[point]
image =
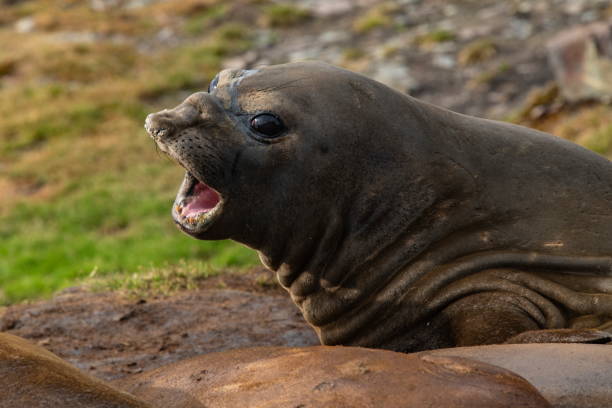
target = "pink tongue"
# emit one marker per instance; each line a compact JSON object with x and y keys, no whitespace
{"x":205,"y":199}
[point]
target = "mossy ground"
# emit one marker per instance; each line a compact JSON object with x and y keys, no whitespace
{"x":82,"y":188}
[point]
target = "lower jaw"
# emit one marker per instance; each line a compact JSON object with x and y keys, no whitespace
{"x":196,"y":224}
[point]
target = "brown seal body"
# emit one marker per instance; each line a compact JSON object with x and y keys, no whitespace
{"x":32,"y":377}
{"x":266,"y":377}
{"x":567,"y":375}
{"x":393,"y":223}
{"x":525,"y":375}
{"x":270,"y":377}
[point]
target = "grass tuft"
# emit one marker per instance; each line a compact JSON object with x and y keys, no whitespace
{"x":202,"y":20}
{"x":154,"y":281}
{"x":87,"y":62}
{"x":78,"y":121}
{"x":488,"y":76}
{"x":352,"y":54}
{"x":589,"y":125}
{"x":375,"y":18}
{"x":477,"y":52}
{"x":284,"y":15}
{"x":431,"y":39}
{"x":600,"y":141}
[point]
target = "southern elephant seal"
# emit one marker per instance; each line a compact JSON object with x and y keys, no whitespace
{"x":275,"y":377}
{"x":567,"y":375}
{"x":266,"y":377}
{"x":33,"y":377}
{"x":527,"y":375}
{"x":391,"y":222}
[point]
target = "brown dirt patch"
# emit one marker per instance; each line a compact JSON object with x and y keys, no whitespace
{"x":111,"y":335}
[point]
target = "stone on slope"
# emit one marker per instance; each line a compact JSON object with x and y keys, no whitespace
{"x":582,"y":61}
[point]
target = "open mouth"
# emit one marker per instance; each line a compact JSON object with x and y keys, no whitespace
{"x":196,"y":206}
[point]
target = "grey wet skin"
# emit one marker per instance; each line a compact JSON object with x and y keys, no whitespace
{"x":394,"y":223}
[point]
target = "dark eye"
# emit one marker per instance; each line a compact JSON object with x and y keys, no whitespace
{"x":267,"y":124}
{"x":213,"y":84}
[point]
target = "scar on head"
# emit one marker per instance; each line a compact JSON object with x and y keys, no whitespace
{"x":284,"y":85}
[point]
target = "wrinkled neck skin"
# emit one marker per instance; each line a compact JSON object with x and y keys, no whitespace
{"x":369,"y":266}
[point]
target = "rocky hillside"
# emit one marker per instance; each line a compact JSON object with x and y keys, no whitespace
{"x":82,"y":189}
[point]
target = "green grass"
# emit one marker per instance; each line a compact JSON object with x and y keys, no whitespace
{"x":78,"y":120}
{"x":370,"y":22}
{"x":161,"y":280}
{"x":375,"y":18}
{"x":600,"y":141}
{"x":198,"y":23}
{"x":82,"y":187}
{"x":353,"y":53}
{"x":284,"y":15}
{"x":432,"y":38}
{"x":107,"y":226}
{"x":489,"y":75}
{"x":191,"y":67}
{"x":477,"y":51}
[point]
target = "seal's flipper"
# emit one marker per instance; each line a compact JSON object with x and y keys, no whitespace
{"x":585,"y":336}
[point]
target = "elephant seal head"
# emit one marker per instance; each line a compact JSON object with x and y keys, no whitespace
{"x":275,"y":155}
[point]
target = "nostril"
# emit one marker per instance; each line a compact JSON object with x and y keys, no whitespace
{"x":156,"y":128}
{"x":161,"y":132}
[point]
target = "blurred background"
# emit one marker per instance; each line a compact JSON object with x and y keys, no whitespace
{"x":85,"y":195}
